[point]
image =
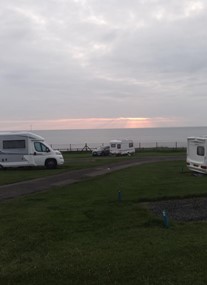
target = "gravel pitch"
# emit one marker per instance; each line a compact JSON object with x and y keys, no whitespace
{"x":190,"y":209}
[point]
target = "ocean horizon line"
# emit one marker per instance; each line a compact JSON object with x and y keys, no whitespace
{"x":138,"y":135}
{"x":91,"y":129}
{"x":95,"y":129}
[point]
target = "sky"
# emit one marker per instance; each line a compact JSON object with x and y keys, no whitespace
{"x":82,"y":64}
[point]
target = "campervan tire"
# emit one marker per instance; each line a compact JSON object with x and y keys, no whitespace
{"x":51,"y":163}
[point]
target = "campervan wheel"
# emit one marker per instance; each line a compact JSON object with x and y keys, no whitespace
{"x":51,"y":163}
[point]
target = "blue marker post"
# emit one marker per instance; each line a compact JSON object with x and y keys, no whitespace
{"x":119,"y":196}
{"x":165,"y":219}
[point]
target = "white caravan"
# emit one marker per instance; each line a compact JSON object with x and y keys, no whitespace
{"x":27,"y":149}
{"x":122,"y":147}
{"x":197,"y":154}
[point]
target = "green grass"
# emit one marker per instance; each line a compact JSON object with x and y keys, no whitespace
{"x":74,"y":160}
{"x":82,"y":234}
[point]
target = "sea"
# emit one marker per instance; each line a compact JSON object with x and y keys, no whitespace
{"x":142,"y":137}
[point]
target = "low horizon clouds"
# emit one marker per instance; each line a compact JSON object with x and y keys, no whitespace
{"x":103,"y":64}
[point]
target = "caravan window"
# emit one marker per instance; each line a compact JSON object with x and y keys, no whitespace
{"x":201,"y":150}
{"x":40,"y":147}
{"x":118,"y":145}
{"x":113,"y":145}
{"x":131,"y":144}
{"x":14,"y":144}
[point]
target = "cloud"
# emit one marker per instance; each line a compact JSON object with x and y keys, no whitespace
{"x":80,"y":59}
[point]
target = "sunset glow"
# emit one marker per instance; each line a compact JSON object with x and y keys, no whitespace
{"x":87,"y":123}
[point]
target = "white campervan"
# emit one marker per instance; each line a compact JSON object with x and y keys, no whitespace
{"x":122,"y":147}
{"x":197,"y":154}
{"x":27,"y":149}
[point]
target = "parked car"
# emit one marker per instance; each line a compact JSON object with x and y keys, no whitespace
{"x":101,"y":151}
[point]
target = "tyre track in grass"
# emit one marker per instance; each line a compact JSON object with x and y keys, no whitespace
{"x":14,"y":190}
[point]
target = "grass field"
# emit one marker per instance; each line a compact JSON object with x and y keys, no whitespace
{"x":82,"y":234}
{"x":73,"y":160}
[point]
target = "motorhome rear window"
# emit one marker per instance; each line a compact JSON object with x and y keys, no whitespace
{"x":200,"y":150}
{"x":131,"y":144}
{"x":14,"y":144}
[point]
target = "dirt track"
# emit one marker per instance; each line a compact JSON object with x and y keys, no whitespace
{"x":191,"y":209}
{"x":43,"y":184}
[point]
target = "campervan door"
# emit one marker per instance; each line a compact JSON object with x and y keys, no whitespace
{"x":197,"y":154}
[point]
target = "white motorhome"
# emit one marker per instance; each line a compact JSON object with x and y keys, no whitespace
{"x":122,"y":147}
{"x":197,"y":154}
{"x":27,"y":149}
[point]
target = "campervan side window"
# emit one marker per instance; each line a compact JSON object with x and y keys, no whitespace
{"x":14,"y":144}
{"x":200,"y":150}
{"x":40,"y":147}
{"x":113,"y":145}
{"x":131,"y":144}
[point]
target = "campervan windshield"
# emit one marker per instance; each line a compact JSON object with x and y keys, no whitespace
{"x":40,"y":147}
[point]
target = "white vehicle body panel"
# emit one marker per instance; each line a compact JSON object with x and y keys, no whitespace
{"x":197,"y":154}
{"x":122,"y":147}
{"x":27,"y":149}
